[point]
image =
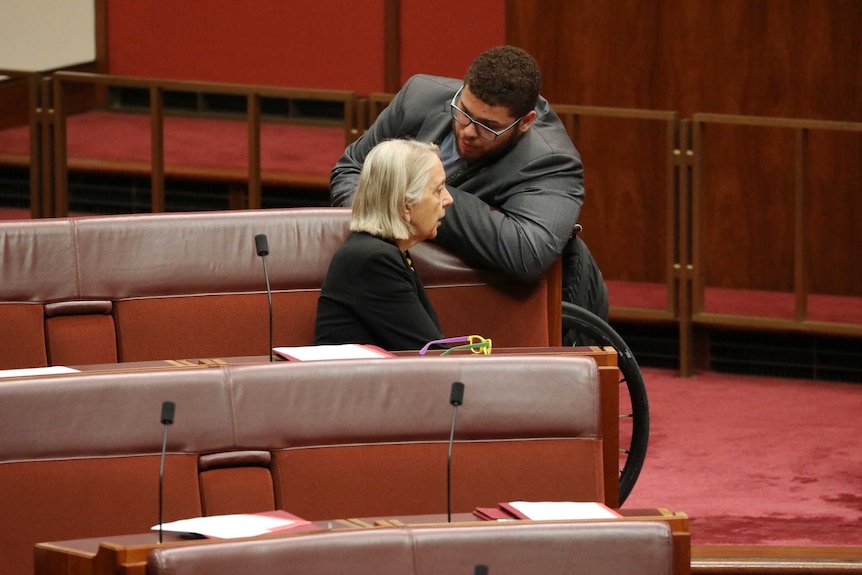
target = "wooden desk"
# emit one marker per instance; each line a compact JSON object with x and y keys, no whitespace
{"x":604,"y":356}
{"x":127,"y":554}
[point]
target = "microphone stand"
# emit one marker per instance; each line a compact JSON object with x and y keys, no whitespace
{"x":269,"y":297}
{"x":262,"y":247}
{"x":167,"y":420}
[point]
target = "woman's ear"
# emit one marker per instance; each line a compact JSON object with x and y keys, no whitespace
{"x":405,"y":213}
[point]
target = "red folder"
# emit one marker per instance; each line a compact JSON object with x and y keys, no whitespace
{"x":493,"y":514}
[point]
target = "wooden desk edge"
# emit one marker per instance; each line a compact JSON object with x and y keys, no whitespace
{"x":71,"y":557}
{"x":776,"y":559}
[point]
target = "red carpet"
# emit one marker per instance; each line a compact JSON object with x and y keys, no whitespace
{"x":193,"y":142}
{"x":14,"y":214}
{"x":749,"y":303}
{"x":755,"y":460}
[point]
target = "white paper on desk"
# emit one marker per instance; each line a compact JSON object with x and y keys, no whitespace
{"x":547,"y":510}
{"x":227,"y":526}
{"x":321,"y":352}
{"x":53,"y":370}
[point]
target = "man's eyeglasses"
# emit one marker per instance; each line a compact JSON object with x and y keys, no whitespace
{"x":466,"y":119}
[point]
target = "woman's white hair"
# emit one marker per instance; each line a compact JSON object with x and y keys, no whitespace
{"x":394,"y":175}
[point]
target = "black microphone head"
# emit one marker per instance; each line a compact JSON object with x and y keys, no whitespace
{"x":168,"y":408}
{"x":261,"y":245}
{"x":481,"y":570}
{"x":456,"y":397}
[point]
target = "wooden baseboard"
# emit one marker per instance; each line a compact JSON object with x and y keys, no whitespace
{"x":775,"y":560}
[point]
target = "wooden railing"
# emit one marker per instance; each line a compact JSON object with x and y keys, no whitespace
{"x":662,"y":142}
{"x":64,"y":104}
{"x":21,"y":97}
{"x":689,"y":207}
{"x":794,"y":241}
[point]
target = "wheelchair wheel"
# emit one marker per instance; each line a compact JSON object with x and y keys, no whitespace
{"x":634,"y":415}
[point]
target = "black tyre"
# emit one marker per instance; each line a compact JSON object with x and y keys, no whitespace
{"x":583,"y":284}
{"x":634,"y":418}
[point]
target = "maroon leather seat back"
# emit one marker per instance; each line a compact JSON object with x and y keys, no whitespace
{"x":80,"y":453}
{"x":601,"y":548}
{"x":142,"y":287}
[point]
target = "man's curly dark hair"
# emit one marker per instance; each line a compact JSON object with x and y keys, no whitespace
{"x":505,"y":76}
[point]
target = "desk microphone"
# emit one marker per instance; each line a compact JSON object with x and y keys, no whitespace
{"x":262,"y":247}
{"x":168,"y":408}
{"x":456,"y":398}
{"x":481,"y":570}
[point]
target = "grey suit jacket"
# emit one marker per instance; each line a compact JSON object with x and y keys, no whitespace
{"x":514,"y":214}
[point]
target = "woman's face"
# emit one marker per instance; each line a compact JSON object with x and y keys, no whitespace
{"x":426,"y":215}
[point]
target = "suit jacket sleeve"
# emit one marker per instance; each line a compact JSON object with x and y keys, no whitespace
{"x":518,"y":214}
{"x":514,"y":215}
{"x":393,"y":122}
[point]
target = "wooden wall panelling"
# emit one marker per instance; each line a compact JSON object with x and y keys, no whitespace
{"x":630,"y":211}
{"x":392,"y":39}
{"x":834,"y":212}
{"x":320,"y":46}
{"x":748,"y":210}
{"x":327,"y":44}
{"x":767,"y":58}
{"x":443,"y":37}
{"x":775,"y":201}
{"x":595,"y":54}
{"x":101,"y":31}
{"x":772,"y":58}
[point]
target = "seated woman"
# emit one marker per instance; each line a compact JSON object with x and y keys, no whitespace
{"x":371,"y":293}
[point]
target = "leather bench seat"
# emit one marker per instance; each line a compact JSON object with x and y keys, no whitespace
{"x":600,"y":548}
{"x":107,"y":289}
{"x":80,"y":453}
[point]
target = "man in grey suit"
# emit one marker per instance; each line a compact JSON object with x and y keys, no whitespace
{"x":514,"y":174}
